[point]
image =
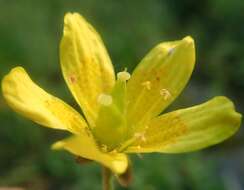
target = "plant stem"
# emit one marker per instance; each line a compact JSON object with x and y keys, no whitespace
{"x":107,"y":183}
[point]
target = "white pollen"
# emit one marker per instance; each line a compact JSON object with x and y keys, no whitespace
{"x":165,"y":93}
{"x":123,"y":76}
{"x":105,"y":99}
{"x":147,"y":85}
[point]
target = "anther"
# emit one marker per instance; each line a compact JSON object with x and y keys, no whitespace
{"x":147,"y":85}
{"x":165,"y":93}
{"x":123,"y":76}
{"x":105,"y":99}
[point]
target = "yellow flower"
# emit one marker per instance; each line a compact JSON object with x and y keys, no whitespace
{"x":121,"y":116}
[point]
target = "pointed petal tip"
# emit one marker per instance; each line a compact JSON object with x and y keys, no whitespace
{"x":11,"y":72}
{"x":225,"y":99}
{"x":70,"y":17}
{"x":235,"y":116}
{"x":67,"y":16}
{"x":57,"y":146}
{"x":16,"y":69}
{"x":188,"y":39}
{"x":70,"y":14}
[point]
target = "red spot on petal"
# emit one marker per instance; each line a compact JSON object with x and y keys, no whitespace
{"x":72,"y":79}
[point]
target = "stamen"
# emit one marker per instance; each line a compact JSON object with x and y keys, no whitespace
{"x":105,"y":99}
{"x":147,"y":85}
{"x":165,"y":93}
{"x":123,"y":76}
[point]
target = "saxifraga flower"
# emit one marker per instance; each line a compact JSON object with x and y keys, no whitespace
{"x":122,"y":115}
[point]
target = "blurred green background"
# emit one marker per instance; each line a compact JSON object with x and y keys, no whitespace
{"x":30,"y":32}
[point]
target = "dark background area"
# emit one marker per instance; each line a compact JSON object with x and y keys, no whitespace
{"x":30,"y":33}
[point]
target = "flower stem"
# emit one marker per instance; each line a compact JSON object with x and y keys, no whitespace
{"x":107,"y":182}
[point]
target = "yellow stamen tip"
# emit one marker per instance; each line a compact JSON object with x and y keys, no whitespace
{"x":123,"y":76}
{"x":105,"y":99}
{"x":165,"y":93}
{"x":147,"y":85}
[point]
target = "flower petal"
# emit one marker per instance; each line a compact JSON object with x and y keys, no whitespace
{"x":190,"y":129}
{"x":85,"y":63}
{"x":28,"y":99}
{"x":85,"y":147}
{"x":159,"y":79}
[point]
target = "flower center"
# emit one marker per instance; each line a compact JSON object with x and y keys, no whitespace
{"x":111,"y":125}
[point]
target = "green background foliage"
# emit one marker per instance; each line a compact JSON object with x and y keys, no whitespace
{"x":30,"y":32}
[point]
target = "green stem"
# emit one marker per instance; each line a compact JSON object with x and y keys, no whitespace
{"x":107,"y":182}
